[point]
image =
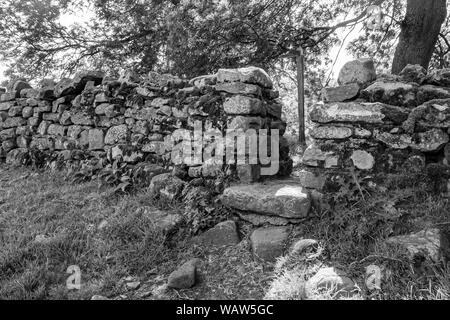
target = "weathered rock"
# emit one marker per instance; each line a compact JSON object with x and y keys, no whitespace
{"x":392,"y":93}
{"x":363,"y":160}
{"x":13,"y":122}
{"x":310,"y":180}
{"x":223,"y":234}
{"x":430,"y":92}
{"x":413,"y":73}
{"x":429,"y":141}
{"x":259,"y":220}
{"x":166,"y":186}
{"x":268,"y":243}
{"x":96,"y":139}
{"x":439,"y":78}
{"x":275,"y":198}
{"x":432,"y":244}
{"x":314,"y":157}
{"x":358,"y":71}
{"x":245,"y":123}
{"x":185,"y":276}
{"x":81,"y":118}
{"x":242,"y":105}
{"x":20,"y":85}
{"x":5,"y":106}
{"x":78,"y":83}
{"x":239,"y":88}
{"x":56,"y":130}
{"x":7,"y":134}
{"x":17,"y":157}
{"x":341,"y":93}
{"x":348,"y":112}
{"x":252,"y":75}
{"x":117,"y":134}
{"x":248,"y":173}
{"x":330,"y":280}
{"x":331,"y":132}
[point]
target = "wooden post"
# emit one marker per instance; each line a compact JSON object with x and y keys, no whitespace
{"x":301,"y":95}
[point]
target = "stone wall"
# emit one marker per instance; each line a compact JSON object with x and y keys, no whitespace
{"x":372,"y":125}
{"x":132,"y":119}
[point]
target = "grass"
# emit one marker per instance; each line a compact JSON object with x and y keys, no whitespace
{"x":353,"y":238}
{"x":111,"y":240}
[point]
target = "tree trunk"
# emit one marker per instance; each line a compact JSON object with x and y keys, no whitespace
{"x":419,"y":33}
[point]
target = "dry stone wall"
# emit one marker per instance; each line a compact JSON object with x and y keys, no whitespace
{"x":369,"y":126}
{"x":132,"y":119}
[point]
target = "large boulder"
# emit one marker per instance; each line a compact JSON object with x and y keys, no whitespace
{"x":360,"y":71}
{"x":275,"y":198}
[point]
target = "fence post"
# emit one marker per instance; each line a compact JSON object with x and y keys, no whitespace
{"x":301,"y":95}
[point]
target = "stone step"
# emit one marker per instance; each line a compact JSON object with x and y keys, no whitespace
{"x":285,"y":198}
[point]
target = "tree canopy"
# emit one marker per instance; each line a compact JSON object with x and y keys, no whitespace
{"x":193,"y":37}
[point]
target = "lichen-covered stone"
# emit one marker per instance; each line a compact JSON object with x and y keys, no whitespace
{"x":429,"y":141}
{"x":81,"y":118}
{"x":242,"y":105}
{"x":363,"y":160}
{"x":348,"y":112}
{"x":331,"y":132}
{"x":116,"y":134}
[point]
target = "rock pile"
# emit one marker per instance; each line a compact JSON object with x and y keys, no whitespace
{"x":133,"y":119}
{"x":378,"y":124}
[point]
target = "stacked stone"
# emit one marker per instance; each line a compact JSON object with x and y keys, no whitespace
{"x":378,"y":125}
{"x":132,"y":119}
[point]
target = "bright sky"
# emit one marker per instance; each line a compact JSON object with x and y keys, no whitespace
{"x":344,"y":56}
